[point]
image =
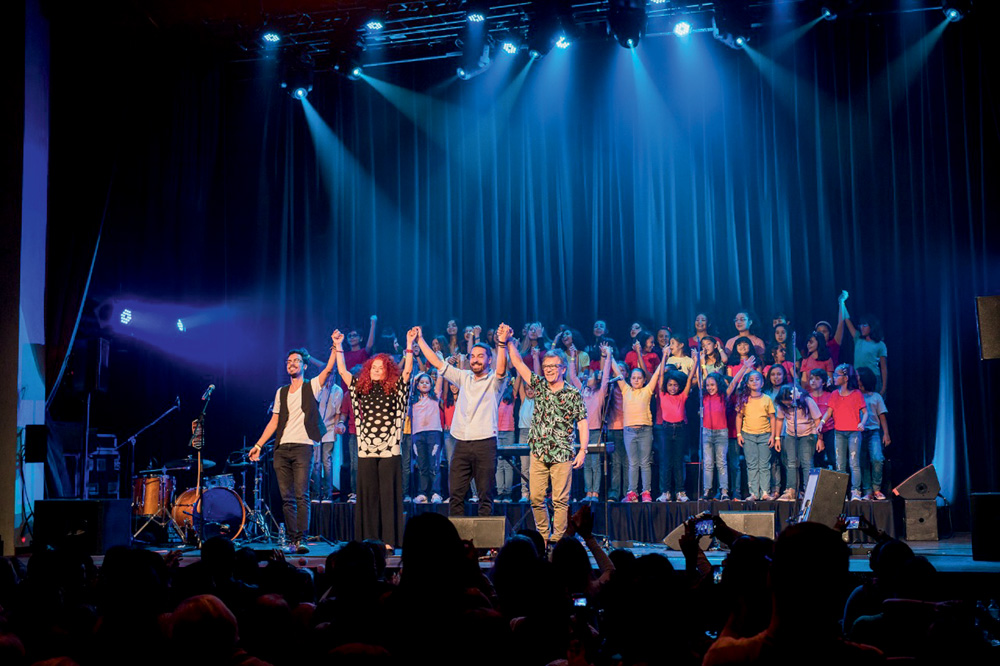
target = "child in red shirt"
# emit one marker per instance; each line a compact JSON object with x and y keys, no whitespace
{"x":847,"y":406}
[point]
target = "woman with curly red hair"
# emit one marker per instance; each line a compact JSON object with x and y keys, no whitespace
{"x":378,"y":396}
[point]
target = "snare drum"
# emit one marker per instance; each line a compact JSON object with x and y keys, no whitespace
{"x":221,"y":508}
{"x":221,"y":481}
{"x":151,"y":494}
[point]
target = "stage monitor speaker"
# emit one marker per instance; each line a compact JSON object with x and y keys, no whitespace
{"x":36,"y":443}
{"x":90,"y":365}
{"x":673,"y":540}
{"x":986,"y":527}
{"x":823,"y":502}
{"x":988,"y":326}
{"x":923,"y":485}
{"x":87,"y":526}
{"x":485,"y":532}
{"x":752,"y":523}
{"x":920,"y":517}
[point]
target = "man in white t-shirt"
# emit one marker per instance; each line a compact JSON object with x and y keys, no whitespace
{"x":297,"y":426}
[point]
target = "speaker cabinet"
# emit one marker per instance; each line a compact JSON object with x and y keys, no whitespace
{"x":485,"y":532}
{"x":986,"y":527}
{"x":752,"y":523}
{"x":87,"y":526}
{"x":823,"y":502}
{"x":923,"y":485}
{"x":920,"y":517}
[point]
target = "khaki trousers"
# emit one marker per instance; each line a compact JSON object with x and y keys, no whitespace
{"x":561,"y":476}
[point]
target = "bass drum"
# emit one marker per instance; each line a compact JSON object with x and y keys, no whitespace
{"x":221,"y":508}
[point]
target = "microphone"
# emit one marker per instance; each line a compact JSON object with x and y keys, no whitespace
{"x":208,"y":392}
{"x":177,"y":401}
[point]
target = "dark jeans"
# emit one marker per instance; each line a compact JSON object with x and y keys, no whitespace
{"x":425,"y":443}
{"x":406,"y":453}
{"x":473,"y":459}
{"x":671,"y":456}
{"x":618,"y":463}
{"x":291,"y":467}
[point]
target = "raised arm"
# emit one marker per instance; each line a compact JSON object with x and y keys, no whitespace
{"x":607,"y":358}
{"x":573,"y":374}
{"x":694,"y":369}
{"x":844,"y":317}
{"x":745,"y":367}
{"x":659,"y":368}
{"x":330,"y":363}
{"x":411,"y":335}
{"x":371,"y":335}
{"x":501,"y":357}
{"x":428,"y":353}
{"x":338,"y":346}
{"x":515,"y":359}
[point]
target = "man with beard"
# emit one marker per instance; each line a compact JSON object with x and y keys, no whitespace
{"x":474,"y":426}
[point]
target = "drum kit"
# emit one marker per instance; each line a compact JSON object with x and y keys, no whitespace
{"x":211,"y":506}
{"x":219,"y":506}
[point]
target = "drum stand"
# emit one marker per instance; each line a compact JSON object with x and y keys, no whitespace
{"x":257,"y":528}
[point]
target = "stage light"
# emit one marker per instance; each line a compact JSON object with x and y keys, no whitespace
{"x":271,"y":37}
{"x":551,"y":25}
{"x":956,"y":10}
{"x":126,"y":317}
{"x":658,"y":2}
{"x":300,"y":93}
{"x":355,"y":74}
{"x":682,"y":29}
{"x":952,"y":14}
{"x":828,"y":14}
{"x":510,"y":47}
{"x":741,"y":41}
{"x":297,"y":73}
{"x":180,"y":326}
{"x":476,"y":17}
{"x":627,"y":21}
{"x":562,"y":42}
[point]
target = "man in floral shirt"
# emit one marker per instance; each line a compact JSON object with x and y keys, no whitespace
{"x":559,"y":409}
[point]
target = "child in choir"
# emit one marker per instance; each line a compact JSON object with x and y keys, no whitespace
{"x":594,"y":392}
{"x":742,"y":350}
{"x":849,"y":412}
{"x":644,"y":347}
{"x":701,"y":328}
{"x":756,"y":425}
{"x":636,"y":396}
{"x":426,"y":433}
{"x":506,"y":472}
{"x":798,"y":436}
{"x":524,"y":415}
{"x":817,"y":356}
{"x":673,"y":395}
{"x":743,"y":324}
{"x":736,"y":457}
{"x":715,"y":434}
{"x":817,"y":385}
{"x":875,"y":435}
{"x":713,"y":357}
{"x":618,"y":460}
{"x":679,"y":355}
{"x":779,"y":358}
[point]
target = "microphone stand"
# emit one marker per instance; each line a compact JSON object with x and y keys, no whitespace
{"x":197,"y":442}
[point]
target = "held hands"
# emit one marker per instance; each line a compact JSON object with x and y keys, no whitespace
{"x":820,"y":446}
{"x":606,"y":350}
{"x":338,"y":339}
{"x":476,"y":330}
{"x":340,"y":428}
{"x":411,"y":336}
{"x":861,"y":427}
{"x":503,"y":333}
{"x":843,"y":296}
{"x":374,"y":318}
{"x":468,"y":333}
{"x":636,"y":347}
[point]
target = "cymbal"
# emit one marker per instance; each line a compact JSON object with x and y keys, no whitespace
{"x":188,"y":463}
{"x":239,"y":465}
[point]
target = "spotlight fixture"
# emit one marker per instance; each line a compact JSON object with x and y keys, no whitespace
{"x":271,"y":37}
{"x":355,"y":73}
{"x":563,"y":42}
{"x":956,"y":10}
{"x":828,"y":14}
{"x":476,"y":57}
{"x":476,"y":11}
{"x":682,"y":29}
{"x":180,"y":326}
{"x":126,"y":317}
{"x":509,"y":47}
{"x":732,"y":23}
{"x":627,"y":21}
{"x":297,"y":74}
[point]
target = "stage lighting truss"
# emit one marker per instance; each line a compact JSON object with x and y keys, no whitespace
{"x":477,"y":11}
{"x":552,"y":25}
{"x":627,"y":21}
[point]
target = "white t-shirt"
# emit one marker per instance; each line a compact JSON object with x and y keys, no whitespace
{"x":295,"y":427}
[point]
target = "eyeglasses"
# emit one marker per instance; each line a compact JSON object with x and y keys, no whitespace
{"x":552,"y":367}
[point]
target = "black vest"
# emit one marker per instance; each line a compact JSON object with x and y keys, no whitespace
{"x":315,"y":427}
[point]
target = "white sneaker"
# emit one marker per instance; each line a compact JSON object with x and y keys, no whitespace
{"x":855,"y":495}
{"x":420,"y":499}
{"x":787,"y":496}
{"x":475,"y":499}
{"x":682,"y":497}
{"x":352,"y":498}
{"x":435,"y":499}
{"x":664,"y":497}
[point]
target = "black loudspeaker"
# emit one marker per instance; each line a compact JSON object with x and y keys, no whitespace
{"x":751,"y":523}
{"x":673,"y":540}
{"x":36,"y":443}
{"x":486,"y":532}
{"x":87,"y":526}
{"x":90,"y":366}
{"x":823,"y":502}
{"x":986,"y":527}
{"x":921,"y":486}
{"x":920,"y":517}
{"x":988,"y":326}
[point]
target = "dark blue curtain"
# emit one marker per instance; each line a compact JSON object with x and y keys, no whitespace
{"x":595,"y":183}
